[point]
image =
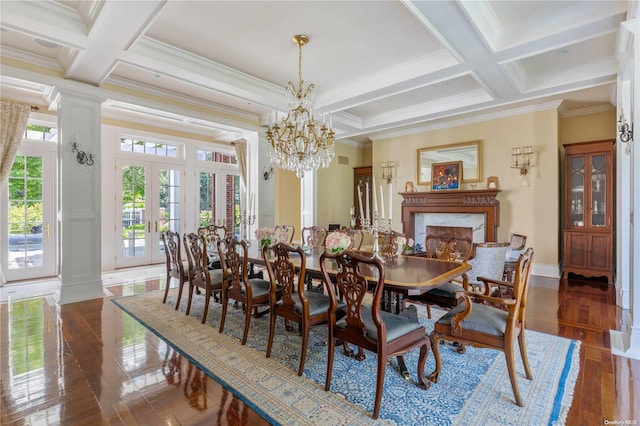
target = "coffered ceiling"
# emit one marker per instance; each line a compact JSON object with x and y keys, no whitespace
{"x":380,"y":68}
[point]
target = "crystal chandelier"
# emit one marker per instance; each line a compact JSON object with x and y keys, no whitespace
{"x":298,"y":142}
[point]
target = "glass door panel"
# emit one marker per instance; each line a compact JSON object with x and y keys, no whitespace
{"x":168,"y":209}
{"x":133,"y":211}
{"x":233,"y":213}
{"x":149,"y":204}
{"x":577,"y":179}
{"x":28,"y":206}
{"x":207,"y":200}
{"x":598,"y":190}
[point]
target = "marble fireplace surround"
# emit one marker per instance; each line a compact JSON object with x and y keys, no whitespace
{"x":471,"y":207}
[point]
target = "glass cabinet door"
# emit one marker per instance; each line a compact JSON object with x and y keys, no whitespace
{"x":576,"y":182}
{"x":598,"y":190}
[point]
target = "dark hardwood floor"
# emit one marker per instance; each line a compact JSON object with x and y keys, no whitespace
{"x":88,"y":363}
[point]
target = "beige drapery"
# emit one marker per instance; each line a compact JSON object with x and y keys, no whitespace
{"x":14,"y":117}
{"x":241,"y":155}
{"x":14,"y":120}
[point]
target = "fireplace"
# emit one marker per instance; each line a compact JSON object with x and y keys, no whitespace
{"x":478,"y":209}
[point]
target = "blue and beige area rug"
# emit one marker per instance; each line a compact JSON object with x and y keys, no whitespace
{"x":474,"y":387}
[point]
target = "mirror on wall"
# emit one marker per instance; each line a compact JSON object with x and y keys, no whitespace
{"x":470,"y":153}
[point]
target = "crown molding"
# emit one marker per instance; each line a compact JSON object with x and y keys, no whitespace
{"x":468,"y":120}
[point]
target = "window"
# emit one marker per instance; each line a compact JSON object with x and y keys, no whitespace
{"x":148,"y":147}
{"x":217,"y":157}
{"x":38,"y":132}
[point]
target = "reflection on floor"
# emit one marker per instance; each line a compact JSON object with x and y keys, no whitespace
{"x":90,"y":363}
{"x":25,"y":289}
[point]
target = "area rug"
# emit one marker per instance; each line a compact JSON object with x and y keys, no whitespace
{"x":474,"y":387}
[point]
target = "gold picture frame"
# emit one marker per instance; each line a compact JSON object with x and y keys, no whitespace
{"x":470,"y":153}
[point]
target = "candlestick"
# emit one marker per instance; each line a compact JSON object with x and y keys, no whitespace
{"x":360,"y":199}
{"x":390,"y":201}
{"x":382,"y":201}
{"x":375,"y":197}
{"x":366,"y":195}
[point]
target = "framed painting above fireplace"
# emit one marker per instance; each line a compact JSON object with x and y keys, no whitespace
{"x":446,"y":176}
{"x":470,"y":153}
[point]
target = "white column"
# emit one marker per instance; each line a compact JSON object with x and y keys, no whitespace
{"x":79,"y":120}
{"x":626,"y":342}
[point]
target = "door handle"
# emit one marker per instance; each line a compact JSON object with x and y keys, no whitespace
{"x":156,"y":226}
{"x":148,"y":226}
{"x":48,"y":230}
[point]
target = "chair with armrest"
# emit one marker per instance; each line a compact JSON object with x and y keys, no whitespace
{"x":517,"y":244}
{"x":313,"y":236}
{"x":487,"y":321}
{"x":284,"y":233}
{"x":308,"y":309}
{"x":250,"y":292}
{"x":444,"y":248}
{"x":368,"y":327}
{"x":176,"y":267}
{"x":210,"y":280}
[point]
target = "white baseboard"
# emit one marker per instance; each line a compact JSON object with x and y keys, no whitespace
{"x":545,"y":270}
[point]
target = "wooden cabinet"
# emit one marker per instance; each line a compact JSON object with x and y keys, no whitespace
{"x":362,"y":176}
{"x":588,"y":204}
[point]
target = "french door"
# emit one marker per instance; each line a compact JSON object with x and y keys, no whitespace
{"x":149,"y":201}
{"x":28,"y":212}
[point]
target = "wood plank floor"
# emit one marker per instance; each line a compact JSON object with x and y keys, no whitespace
{"x":88,"y":363}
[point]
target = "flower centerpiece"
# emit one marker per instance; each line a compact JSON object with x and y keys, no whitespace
{"x":337,"y":241}
{"x":408,"y":248}
{"x":265,"y":235}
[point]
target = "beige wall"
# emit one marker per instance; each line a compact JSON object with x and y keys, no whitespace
{"x":532,"y":210}
{"x":287,"y":200}
{"x":335,"y":184}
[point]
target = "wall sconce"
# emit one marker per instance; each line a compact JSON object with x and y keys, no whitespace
{"x":625,"y":133}
{"x":267,"y":173}
{"x":81,"y":156}
{"x":387,"y":170}
{"x":522,"y":158}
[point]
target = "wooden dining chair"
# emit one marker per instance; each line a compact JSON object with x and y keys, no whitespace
{"x":209,"y":280}
{"x":356,"y":235}
{"x":284,"y":233}
{"x":444,"y":248}
{"x":391,"y":242}
{"x":313,"y":236}
{"x":517,"y":245}
{"x":287,"y":278}
{"x":176,"y":267}
{"x":368,"y":327}
{"x":250,"y":292}
{"x":211,"y":238}
{"x":488,"y":321}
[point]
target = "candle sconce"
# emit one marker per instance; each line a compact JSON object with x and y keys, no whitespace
{"x":522,"y":158}
{"x":625,"y":133}
{"x":81,"y":156}
{"x":387,"y":170}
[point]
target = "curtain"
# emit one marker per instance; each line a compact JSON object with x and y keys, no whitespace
{"x":241,"y":155}
{"x":14,"y":121}
{"x":14,"y":118}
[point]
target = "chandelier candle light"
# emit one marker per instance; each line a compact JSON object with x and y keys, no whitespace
{"x":298,"y":142}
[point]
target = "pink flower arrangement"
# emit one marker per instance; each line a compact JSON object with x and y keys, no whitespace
{"x":265,"y":235}
{"x":337,"y":241}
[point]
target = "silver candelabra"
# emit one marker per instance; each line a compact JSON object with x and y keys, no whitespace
{"x":245,"y":221}
{"x":374,"y":228}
